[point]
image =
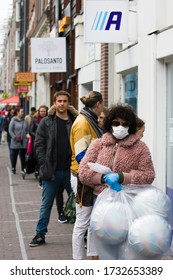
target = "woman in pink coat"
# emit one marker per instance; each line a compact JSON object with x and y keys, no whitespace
{"x":119,"y":149}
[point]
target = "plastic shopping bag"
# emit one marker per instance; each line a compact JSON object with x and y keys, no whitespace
{"x":134,"y":223}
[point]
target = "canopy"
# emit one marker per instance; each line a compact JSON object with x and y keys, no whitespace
{"x":12,"y":101}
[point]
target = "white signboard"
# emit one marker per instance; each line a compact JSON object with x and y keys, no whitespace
{"x":106,"y":21}
{"x":48,"y":55}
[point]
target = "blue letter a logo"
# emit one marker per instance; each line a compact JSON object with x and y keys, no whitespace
{"x":116,"y":22}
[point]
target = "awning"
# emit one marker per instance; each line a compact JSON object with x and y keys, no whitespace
{"x":11,"y":101}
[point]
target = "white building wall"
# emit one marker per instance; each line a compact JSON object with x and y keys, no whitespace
{"x":87,"y":62}
{"x":149,"y":48}
{"x":153,"y":47}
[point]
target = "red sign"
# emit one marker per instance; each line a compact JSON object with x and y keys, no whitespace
{"x":20,"y":89}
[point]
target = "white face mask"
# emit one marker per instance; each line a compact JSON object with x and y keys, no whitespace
{"x":120,"y":132}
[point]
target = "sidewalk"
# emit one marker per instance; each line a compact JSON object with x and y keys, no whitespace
{"x":19,"y":210}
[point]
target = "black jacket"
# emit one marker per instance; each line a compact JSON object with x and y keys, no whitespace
{"x":46,"y":143}
{"x":7,"y":121}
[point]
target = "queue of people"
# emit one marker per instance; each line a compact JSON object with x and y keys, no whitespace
{"x":65,"y":142}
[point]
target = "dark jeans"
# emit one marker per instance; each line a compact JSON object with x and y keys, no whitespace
{"x":22,"y":153}
{"x":60,"y":200}
{"x":50,"y":190}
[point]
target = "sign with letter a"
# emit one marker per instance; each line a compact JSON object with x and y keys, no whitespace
{"x":106,"y":21}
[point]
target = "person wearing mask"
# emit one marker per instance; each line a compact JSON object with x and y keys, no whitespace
{"x":8,"y":117}
{"x":84,"y":130}
{"x":121,"y":150}
{"x":18,"y":130}
{"x":52,"y":148}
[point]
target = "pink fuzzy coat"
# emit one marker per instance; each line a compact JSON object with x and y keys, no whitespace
{"x":130,"y":156}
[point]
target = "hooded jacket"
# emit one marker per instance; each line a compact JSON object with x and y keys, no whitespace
{"x":130,"y":156}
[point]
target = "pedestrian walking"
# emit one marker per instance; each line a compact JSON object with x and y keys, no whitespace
{"x":7,"y":120}
{"x":52,"y":147}
{"x":18,"y":130}
{"x":84,"y":130}
{"x":1,"y":125}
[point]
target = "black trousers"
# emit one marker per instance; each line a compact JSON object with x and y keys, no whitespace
{"x":60,"y":200}
{"x":21,"y":153}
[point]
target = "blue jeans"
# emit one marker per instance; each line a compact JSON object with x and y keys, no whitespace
{"x":50,"y":189}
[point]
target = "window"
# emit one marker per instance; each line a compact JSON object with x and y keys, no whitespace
{"x":131,"y":89}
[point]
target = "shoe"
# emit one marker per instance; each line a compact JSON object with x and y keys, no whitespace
{"x":85,"y":236}
{"x":62,"y":218}
{"x":13,"y":170}
{"x":40,"y":186}
{"x":37,"y":240}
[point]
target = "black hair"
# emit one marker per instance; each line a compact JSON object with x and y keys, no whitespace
{"x":123,"y":111}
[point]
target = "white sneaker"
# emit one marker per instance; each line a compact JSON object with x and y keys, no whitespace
{"x":40,"y":187}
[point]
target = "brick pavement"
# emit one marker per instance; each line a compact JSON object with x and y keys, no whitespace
{"x":19,"y":209}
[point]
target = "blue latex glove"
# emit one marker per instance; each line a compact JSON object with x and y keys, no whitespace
{"x":112,"y":180}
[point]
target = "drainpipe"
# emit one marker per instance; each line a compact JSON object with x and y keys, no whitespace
{"x":57,"y":17}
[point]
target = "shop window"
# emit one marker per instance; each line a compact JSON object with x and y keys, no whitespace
{"x":131,"y":89}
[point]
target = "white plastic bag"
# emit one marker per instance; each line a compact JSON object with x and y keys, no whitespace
{"x":133,"y":223}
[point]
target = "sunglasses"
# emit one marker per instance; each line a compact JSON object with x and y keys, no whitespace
{"x":117,"y":123}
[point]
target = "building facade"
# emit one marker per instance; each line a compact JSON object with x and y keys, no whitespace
{"x":139,"y":72}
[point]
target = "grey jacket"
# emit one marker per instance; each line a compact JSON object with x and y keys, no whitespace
{"x":18,"y":128}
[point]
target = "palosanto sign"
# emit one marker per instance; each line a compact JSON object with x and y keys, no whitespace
{"x":106,"y":21}
{"x":48,"y":55}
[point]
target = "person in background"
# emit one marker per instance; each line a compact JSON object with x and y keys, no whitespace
{"x":1,"y":125}
{"x":7,"y":120}
{"x":37,"y":117}
{"x":29,"y":117}
{"x":140,"y":127}
{"x":102,"y":117}
{"x":84,"y":130}
{"x":18,"y":130}
{"x":121,"y":150}
{"x":52,"y":147}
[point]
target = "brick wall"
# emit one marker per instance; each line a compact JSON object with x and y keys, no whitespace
{"x":104,"y":73}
